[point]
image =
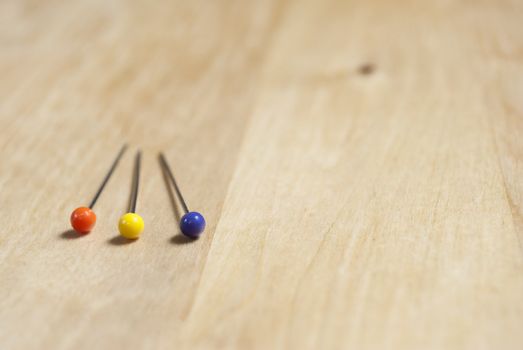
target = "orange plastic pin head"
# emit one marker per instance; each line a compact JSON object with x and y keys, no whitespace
{"x":83,"y":220}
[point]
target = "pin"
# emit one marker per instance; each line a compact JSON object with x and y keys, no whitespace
{"x":192,"y":224}
{"x":83,"y":219}
{"x":131,"y":224}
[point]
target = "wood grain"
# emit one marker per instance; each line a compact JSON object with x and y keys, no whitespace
{"x":359,"y":164}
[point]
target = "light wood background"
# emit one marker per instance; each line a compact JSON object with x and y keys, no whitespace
{"x":359,"y":163}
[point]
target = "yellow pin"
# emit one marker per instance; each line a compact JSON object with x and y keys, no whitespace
{"x":131,"y":224}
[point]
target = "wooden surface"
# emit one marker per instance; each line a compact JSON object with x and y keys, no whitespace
{"x":359,"y":163}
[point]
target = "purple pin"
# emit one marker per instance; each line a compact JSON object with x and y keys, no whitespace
{"x":192,"y":223}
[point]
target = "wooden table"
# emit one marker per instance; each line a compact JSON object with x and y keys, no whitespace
{"x":359,"y":164}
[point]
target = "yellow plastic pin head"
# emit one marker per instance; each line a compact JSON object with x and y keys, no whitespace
{"x":130,"y":225}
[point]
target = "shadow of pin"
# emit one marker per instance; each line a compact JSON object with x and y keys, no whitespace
{"x":71,"y":234}
{"x":366,"y":69}
{"x":181,"y":239}
{"x":119,"y":240}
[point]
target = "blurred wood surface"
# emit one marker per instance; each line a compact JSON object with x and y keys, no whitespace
{"x":359,"y":164}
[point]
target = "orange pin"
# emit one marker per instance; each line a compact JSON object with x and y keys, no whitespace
{"x":83,"y":219}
